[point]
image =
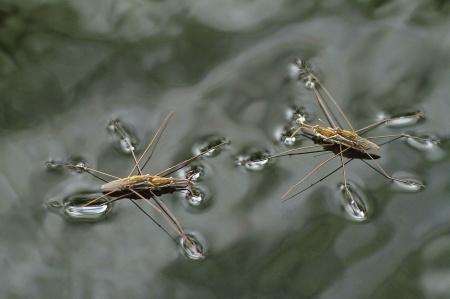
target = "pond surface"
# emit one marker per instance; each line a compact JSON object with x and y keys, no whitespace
{"x":224,"y":69}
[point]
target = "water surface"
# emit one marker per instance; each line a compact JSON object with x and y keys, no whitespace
{"x":223,"y":68}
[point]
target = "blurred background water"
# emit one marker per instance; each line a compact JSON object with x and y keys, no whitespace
{"x":68,"y":67}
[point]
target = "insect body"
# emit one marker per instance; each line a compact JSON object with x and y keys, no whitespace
{"x":146,"y":187}
{"x":344,"y":137}
{"x":146,"y":181}
{"x":344,"y":143}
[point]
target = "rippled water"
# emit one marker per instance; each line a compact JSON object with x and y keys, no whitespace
{"x":224,"y":68}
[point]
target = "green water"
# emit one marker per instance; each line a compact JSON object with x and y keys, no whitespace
{"x":67,"y":68}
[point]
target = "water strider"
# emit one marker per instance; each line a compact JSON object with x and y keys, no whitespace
{"x":343,"y":143}
{"x":142,"y":186}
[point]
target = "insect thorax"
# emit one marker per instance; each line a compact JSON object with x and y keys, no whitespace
{"x":324,"y":132}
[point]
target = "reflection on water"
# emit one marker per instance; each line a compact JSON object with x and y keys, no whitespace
{"x":67,"y":69}
{"x":124,"y":141}
{"x":253,"y":159}
{"x":198,"y":198}
{"x":403,"y":117}
{"x":354,"y":201}
{"x":74,"y":206}
{"x":429,"y":144}
{"x":193,"y":247}
{"x":206,"y":144}
{"x":407,"y":182}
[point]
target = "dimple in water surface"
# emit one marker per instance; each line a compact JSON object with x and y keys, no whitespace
{"x":409,"y":183}
{"x":208,"y":146}
{"x":253,"y":159}
{"x":197,"y":198}
{"x":355,"y":201}
{"x":74,"y":206}
{"x":403,"y":117}
{"x":428,"y":144}
{"x":125,"y":141}
{"x":192,"y":247}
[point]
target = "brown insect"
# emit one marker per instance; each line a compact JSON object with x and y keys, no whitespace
{"x":145,"y":186}
{"x":342,"y":142}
